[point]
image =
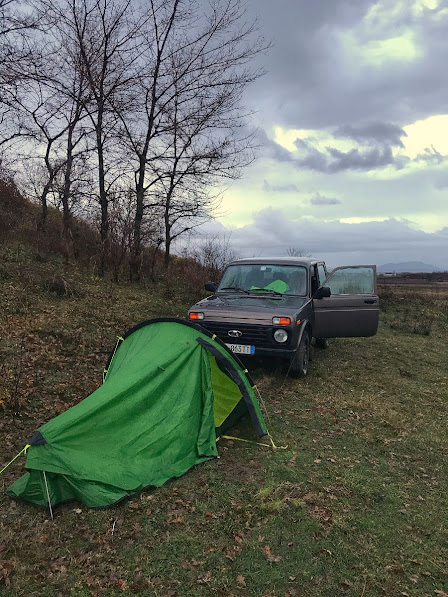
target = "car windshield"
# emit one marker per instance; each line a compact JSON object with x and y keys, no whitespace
{"x":265,"y":278}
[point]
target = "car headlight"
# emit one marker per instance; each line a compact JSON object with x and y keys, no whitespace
{"x":280,"y":336}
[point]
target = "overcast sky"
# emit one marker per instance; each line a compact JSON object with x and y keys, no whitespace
{"x":353,"y":127}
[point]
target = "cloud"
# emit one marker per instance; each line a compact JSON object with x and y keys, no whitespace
{"x":339,"y":61}
{"x":373,"y":132}
{"x":441,"y":181}
{"x":333,"y":160}
{"x":362,"y":84}
{"x":272,"y":149}
{"x":319,"y":200}
{"x":287,"y":188}
{"x":272,"y":231}
{"x":431,"y":156}
{"x":355,"y":159}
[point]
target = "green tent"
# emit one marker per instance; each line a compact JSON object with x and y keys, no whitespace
{"x":170,"y":390}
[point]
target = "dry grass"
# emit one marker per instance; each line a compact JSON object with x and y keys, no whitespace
{"x":354,"y":506}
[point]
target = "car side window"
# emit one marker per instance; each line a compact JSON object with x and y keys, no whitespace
{"x":322,"y":273}
{"x":352,"y":280}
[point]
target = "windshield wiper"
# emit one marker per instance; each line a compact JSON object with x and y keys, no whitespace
{"x":237,"y":288}
{"x":269,"y":290}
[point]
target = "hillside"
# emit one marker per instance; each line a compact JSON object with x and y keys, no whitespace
{"x":353,"y":505}
{"x":407,"y":267}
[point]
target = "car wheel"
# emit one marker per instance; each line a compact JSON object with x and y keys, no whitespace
{"x":322,"y":342}
{"x":300,"y":361}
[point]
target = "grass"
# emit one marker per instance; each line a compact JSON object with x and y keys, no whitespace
{"x":355,"y":505}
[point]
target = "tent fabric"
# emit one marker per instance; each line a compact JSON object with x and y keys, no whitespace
{"x":170,"y":389}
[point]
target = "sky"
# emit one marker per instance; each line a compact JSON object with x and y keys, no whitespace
{"x":352,"y":123}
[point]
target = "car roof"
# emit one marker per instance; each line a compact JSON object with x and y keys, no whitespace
{"x":276,"y":261}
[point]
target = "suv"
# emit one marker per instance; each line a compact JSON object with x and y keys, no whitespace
{"x":273,"y":307}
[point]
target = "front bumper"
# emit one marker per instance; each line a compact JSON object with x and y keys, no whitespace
{"x":279,"y":353}
{"x":260,"y":336}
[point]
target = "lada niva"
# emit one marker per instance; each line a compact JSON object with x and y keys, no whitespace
{"x":274,"y":307}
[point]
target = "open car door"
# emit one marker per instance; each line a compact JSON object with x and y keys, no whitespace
{"x":353,"y":307}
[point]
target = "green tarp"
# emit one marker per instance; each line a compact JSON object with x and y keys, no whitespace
{"x":169,"y":391}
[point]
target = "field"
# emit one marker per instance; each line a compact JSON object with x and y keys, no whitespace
{"x":356,"y":504}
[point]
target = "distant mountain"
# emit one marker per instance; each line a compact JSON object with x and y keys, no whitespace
{"x":408,"y":266}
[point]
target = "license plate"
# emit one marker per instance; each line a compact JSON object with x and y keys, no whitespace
{"x":241,"y":348}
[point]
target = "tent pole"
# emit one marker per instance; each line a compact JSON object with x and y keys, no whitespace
{"x":48,"y":495}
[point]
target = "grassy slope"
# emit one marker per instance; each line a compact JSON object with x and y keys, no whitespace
{"x":356,"y":505}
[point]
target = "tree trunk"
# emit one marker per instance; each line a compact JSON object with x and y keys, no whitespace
{"x":66,"y":232}
{"x":42,"y":224}
{"x":166,"y":261}
{"x":104,"y":204}
{"x":168,"y":239}
{"x":136,"y":253}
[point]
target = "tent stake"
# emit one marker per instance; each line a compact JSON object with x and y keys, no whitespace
{"x":48,"y":495}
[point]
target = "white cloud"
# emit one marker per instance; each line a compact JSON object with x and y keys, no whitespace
{"x":272,"y":231}
{"x":427,"y":133}
{"x":354,"y":106}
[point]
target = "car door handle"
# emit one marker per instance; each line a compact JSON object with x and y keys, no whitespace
{"x":370,"y":301}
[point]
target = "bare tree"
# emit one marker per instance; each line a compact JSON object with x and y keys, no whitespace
{"x":215,"y":252}
{"x":297,"y":252}
{"x":39,"y":111}
{"x":16,"y":26}
{"x":103,"y":31}
{"x":181,"y":125}
{"x":148,"y":94}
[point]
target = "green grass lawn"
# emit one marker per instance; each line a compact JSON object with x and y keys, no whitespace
{"x":356,"y":505}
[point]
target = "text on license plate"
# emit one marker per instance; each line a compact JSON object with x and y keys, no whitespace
{"x":241,"y":348}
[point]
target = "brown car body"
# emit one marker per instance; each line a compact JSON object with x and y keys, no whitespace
{"x":343,"y":303}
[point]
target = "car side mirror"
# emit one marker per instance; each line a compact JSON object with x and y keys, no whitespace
{"x":323,"y":292}
{"x":211,"y":286}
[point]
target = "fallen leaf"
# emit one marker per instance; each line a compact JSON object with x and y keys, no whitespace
{"x":6,"y":567}
{"x":121,"y":584}
{"x":268,"y":553}
{"x":241,"y":580}
{"x":231,"y":552}
{"x":192,"y":563}
{"x":395,"y":567}
{"x":205,"y":577}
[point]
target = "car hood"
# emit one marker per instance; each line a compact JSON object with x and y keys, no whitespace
{"x":240,"y":307}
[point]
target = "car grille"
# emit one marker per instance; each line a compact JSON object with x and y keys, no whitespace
{"x":258,"y":335}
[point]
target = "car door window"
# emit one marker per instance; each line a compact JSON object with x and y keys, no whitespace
{"x":352,"y":280}
{"x":322,"y":273}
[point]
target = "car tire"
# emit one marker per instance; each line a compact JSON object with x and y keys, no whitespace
{"x":322,"y":342}
{"x":300,"y":362}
